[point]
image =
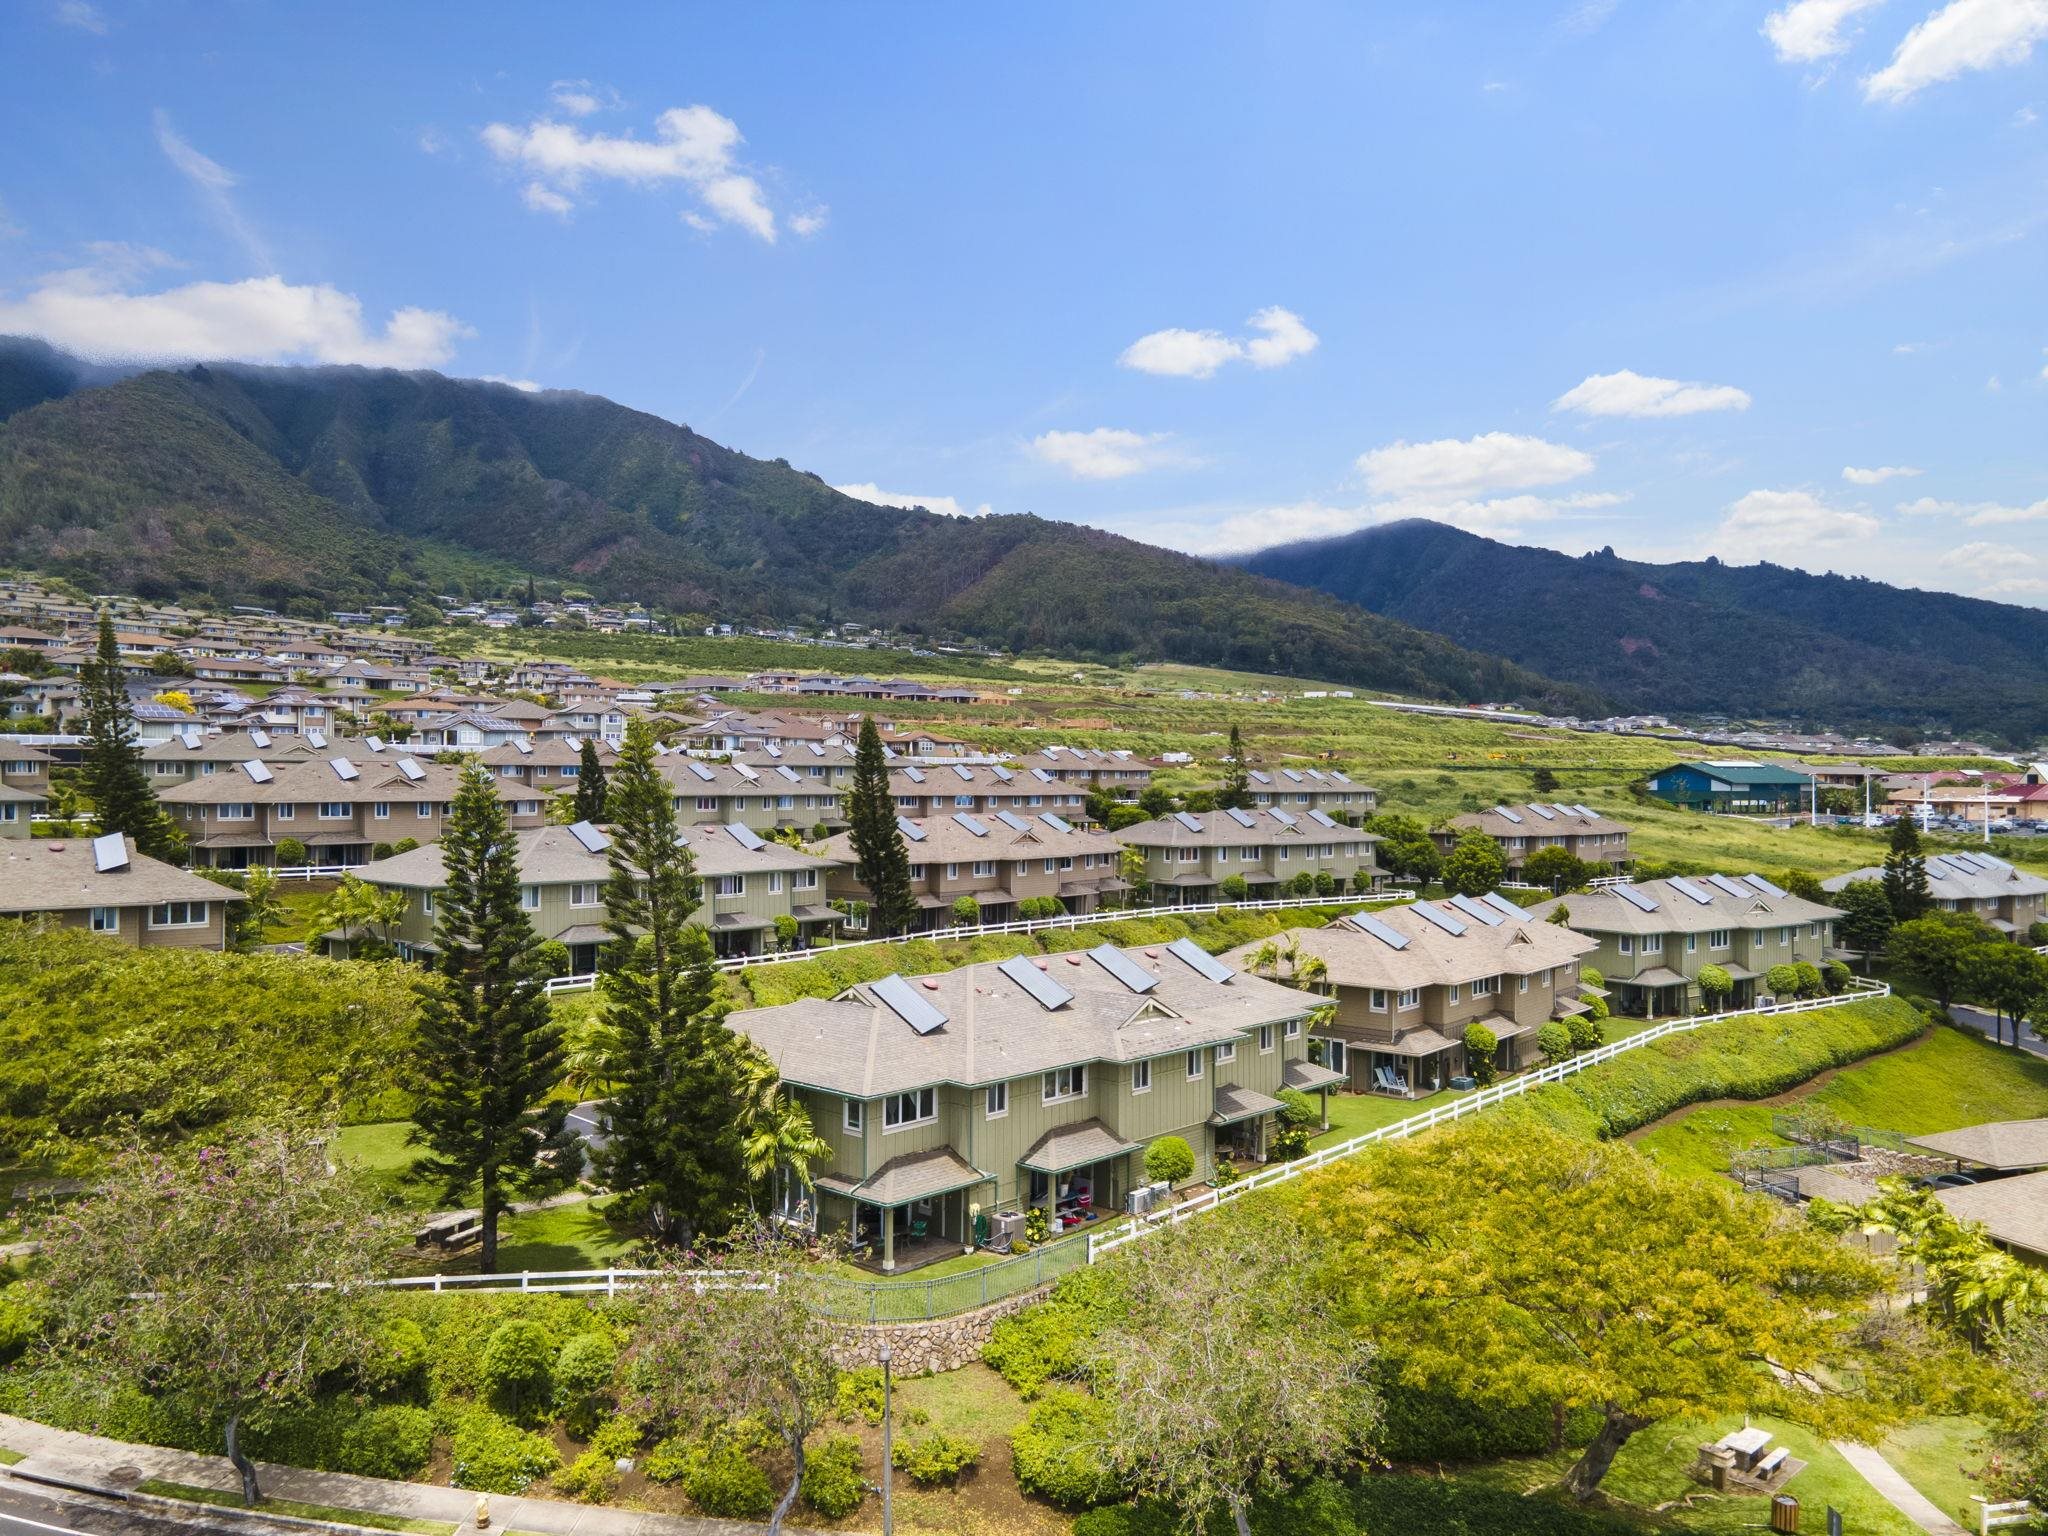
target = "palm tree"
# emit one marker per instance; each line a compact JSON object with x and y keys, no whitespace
{"x":1312,"y":973}
{"x":775,"y":1131}
{"x":1265,"y":957}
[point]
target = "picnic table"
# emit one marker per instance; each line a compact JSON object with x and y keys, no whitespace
{"x":1748,"y":1445}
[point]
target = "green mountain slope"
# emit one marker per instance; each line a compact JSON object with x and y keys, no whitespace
{"x":343,"y":485}
{"x":1701,"y":636}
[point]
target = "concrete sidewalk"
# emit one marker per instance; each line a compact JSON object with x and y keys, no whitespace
{"x":96,"y":1462}
{"x":1900,"y":1494}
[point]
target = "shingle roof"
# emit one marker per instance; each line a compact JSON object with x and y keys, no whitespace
{"x":1234,"y":1103}
{"x":1967,"y":874}
{"x":1432,"y":956}
{"x":2014,"y":1211}
{"x":1073,"y":1146}
{"x":62,"y":876}
{"x":1220,"y":829}
{"x":1563,"y":821}
{"x":556,"y":856}
{"x":946,"y":840}
{"x":1603,"y":911}
{"x":911,"y":1176}
{"x":1995,"y":1144}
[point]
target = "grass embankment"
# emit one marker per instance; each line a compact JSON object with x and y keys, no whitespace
{"x":1949,"y":1079}
{"x":11,"y":1458}
{"x":370,"y":1518}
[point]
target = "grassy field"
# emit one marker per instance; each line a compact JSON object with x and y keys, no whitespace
{"x":383,"y":1152}
{"x":1949,"y":1079}
{"x":375,"y":1521}
{"x":1941,"y":1458}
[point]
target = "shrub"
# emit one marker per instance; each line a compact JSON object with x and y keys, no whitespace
{"x":494,"y":1456}
{"x":858,"y":1395}
{"x":394,"y":1440}
{"x":1715,"y":983}
{"x":1297,"y":1108}
{"x":379,"y":852}
{"x":1836,"y":976}
{"x":1590,"y":976}
{"x":1440,"y":1422}
{"x":1480,"y":1044}
{"x":394,"y":1359}
{"x":1289,"y":1142}
{"x":590,"y":1477}
{"x":833,"y":1480}
{"x":1234,"y":888}
{"x":1326,"y":883}
{"x":669,"y":1460}
{"x":724,"y":1481}
{"x":786,"y":931}
{"x":1597,"y":1008}
{"x":291,"y":853}
{"x":516,"y":1362}
{"x":935,"y":1459}
{"x":1585,"y":1030}
{"x":1783,"y":980}
{"x":966,"y":911}
{"x":1057,"y":1450}
{"x":1554,"y":1040}
{"x":554,"y":957}
{"x":2037,"y":932}
{"x":1030,"y":1348}
{"x":20,"y":1326}
{"x":1169,"y":1160}
{"x":405,"y":845}
{"x":619,"y":1437}
{"x":1808,"y":979}
{"x":1392,"y":1502}
{"x":1037,"y":1225}
{"x":583,"y":1377}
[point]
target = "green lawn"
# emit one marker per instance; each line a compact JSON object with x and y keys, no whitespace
{"x":381,"y":1150}
{"x":1353,"y":1114}
{"x":1949,"y":1079}
{"x":370,"y":1518}
{"x":562,"y":1237}
{"x":1940,"y":1457}
{"x":11,"y":1458}
{"x":298,"y":903}
{"x":972,"y":1401}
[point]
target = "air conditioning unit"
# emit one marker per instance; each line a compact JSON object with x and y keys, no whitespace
{"x":1147,"y":1197}
{"x":1005,"y":1228}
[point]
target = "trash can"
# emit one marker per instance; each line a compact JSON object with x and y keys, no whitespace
{"x":1784,"y":1512}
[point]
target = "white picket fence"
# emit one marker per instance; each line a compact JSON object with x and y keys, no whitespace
{"x":1442,"y":1114}
{"x":583,"y":983}
{"x":1991,"y":1517}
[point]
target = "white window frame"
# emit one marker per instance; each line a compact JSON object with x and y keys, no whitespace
{"x":1265,"y":1039}
{"x":1064,"y":1083}
{"x":284,"y":813}
{"x":584,"y":893}
{"x":381,"y":809}
{"x":728,"y":885}
{"x":1376,"y":1000}
{"x":529,"y":897}
{"x":1720,"y":938}
{"x":1293,"y":1030}
{"x":996,"y":1101}
{"x":1194,"y":1065}
{"x":1625,"y":944}
{"x":923,"y":1103}
{"x":335,"y":810}
{"x":184,"y":914}
{"x":853,"y":1117}
{"x":1141,"y":1077}
{"x":1411,"y":997}
{"x":104,"y":919}
{"x":984,"y":869}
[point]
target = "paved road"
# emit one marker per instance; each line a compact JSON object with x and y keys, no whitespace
{"x":587,"y":1121}
{"x":28,"y":1510}
{"x":1984,"y":1023}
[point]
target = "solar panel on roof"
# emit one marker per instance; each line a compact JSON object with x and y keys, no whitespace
{"x":190,"y":738}
{"x":915,"y":775}
{"x":587,"y":834}
{"x":965,"y":774}
{"x":1439,"y":917}
{"x":1477,"y":910}
{"x":259,"y":772}
{"x":1057,"y":823}
{"x":971,"y":823}
{"x":1764,"y":885}
{"x":1123,"y":968}
{"x":1688,"y":890}
{"x":1187,"y":821}
{"x":523,"y":747}
{"x":317,"y":740}
{"x":1242,"y":818}
{"x":1723,"y":883}
{"x":1505,"y":908}
{"x":745,"y":836}
{"x":1041,"y":775}
{"x":817,"y":748}
{"x":1046,"y":992}
{"x":910,"y":829}
{"x":376,"y":743}
{"x":1365,"y":922}
{"x":1280,"y":816}
{"x":1014,"y":822}
{"x":1543,"y":810}
{"x":749,"y":774}
{"x":1340,"y":775}
{"x":1260,"y":778}
{"x":1322,"y":819}
{"x":109,"y":853}
{"x":903,"y":1000}
{"x":1504,"y":812}
{"x":1002,"y":773}
{"x":1587,"y":811}
{"x":260,"y":738}
{"x":700,"y":770}
{"x":788,"y":773}
{"x":411,"y":770}
{"x":344,"y":770}
{"x":1198,"y":959}
{"x":1640,"y":900}
{"x":1290,"y":774}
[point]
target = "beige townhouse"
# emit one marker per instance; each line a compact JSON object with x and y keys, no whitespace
{"x":1408,"y":981}
{"x":24,"y":786}
{"x":783,"y":795}
{"x":2008,"y":899}
{"x":1301,"y":790}
{"x":1654,"y":935}
{"x":103,"y":885}
{"x":549,"y":764}
{"x":196,"y":754}
{"x":982,"y":789}
{"x":1122,"y":775}
{"x":1520,"y":830}
{"x":1275,"y":852}
{"x":999,"y":861}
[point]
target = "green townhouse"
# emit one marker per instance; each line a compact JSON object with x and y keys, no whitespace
{"x":786,"y":794}
{"x":747,"y":884}
{"x":1036,"y":1081}
{"x":1654,"y":935}
{"x":1986,"y":887}
{"x":1188,"y":857}
{"x":1733,"y":786}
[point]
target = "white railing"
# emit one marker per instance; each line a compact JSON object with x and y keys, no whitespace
{"x":1859,"y":991}
{"x":1991,"y":1517}
{"x":583,"y":983}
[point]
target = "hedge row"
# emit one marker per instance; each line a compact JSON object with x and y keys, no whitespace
{"x":1383,"y":1505}
{"x":1749,"y":1058}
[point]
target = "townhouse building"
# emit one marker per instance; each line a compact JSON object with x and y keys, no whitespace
{"x":194,"y":753}
{"x":103,"y":885}
{"x":1122,"y":775}
{"x":999,"y":861}
{"x":1654,"y":935}
{"x":1188,"y":856}
{"x":747,"y":884}
{"x":468,"y":730}
{"x":549,"y":765}
{"x":783,"y":795}
{"x":982,"y":789}
{"x":24,"y":786}
{"x":1408,"y":981}
{"x":340,"y":808}
{"x":1520,"y":830}
{"x":2008,"y":899}
{"x":1036,"y":1081}
{"x":1301,"y":790}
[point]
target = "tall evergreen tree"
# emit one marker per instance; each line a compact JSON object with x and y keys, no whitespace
{"x":675,"y":1153}
{"x":590,"y":783}
{"x":490,"y":1049}
{"x":882,"y":862}
{"x":111,"y":773}
{"x":1235,"y":793}
{"x":1905,"y":873}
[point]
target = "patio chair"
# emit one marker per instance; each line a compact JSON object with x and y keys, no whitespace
{"x":1387,"y":1080}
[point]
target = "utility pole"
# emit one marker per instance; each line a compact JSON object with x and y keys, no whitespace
{"x":888,"y":1449}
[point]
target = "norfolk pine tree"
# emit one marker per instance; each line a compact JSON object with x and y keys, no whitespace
{"x":675,"y":1153}
{"x":112,"y":773}
{"x":590,"y":784}
{"x":882,"y":862}
{"x":1235,"y":793}
{"x":490,"y":1049}
{"x":1905,"y":873}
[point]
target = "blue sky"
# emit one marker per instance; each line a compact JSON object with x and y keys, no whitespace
{"x":1691,"y":276}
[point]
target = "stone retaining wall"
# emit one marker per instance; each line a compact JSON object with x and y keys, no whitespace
{"x":929,"y":1346}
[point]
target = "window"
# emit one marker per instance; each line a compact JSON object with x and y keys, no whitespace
{"x":529,"y":897}
{"x":1265,"y":1038}
{"x":1141,"y":1077}
{"x":106,"y":919}
{"x":178,"y":914}
{"x":1454,"y":991}
{"x":334,"y":810}
{"x":729,"y":885}
{"x":242,"y":811}
{"x":583,"y":895}
{"x":997,"y":1100}
{"x":1718,"y":939}
{"x":1066,"y":865}
{"x":774,"y":882}
{"x":1626,"y":944}
{"x":1653,"y":943}
{"x":427,"y":903}
{"x":1692,"y":943}
{"x":966,"y":801}
{"x":917,"y":871}
{"x":1377,"y":1000}
{"x":952,"y":871}
{"x":424,"y":811}
{"x":917,"y":1107}
{"x":707,"y":802}
{"x":1194,"y":1066}
{"x":1226,"y":1052}
{"x":1049,"y":866}
{"x":1784,"y":935}
{"x":284,"y":813}
{"x":1294,"y":1029}
{"x":852,"y":1117}
{"x":984,"y":868}
{"x":1486,"y":986}
{"x":1286,"y":853}
{"x":1065,"y":1083}
{"x":1191,"y":855}
{"x":1521,"y":983}
{"x":1410,"y":998}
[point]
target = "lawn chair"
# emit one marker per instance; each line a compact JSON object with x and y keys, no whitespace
{"x":1387,"y":1080}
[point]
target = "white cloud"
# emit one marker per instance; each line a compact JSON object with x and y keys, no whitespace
{"x":1453,"y":467}
{"x":1993,"y":384}
{"x":1106,"y":453}
{"x":1244,"y":529}
{"x":1985,"y":561}
{"x":1764,"y":521}
{"x":1628,"y":393}
{"x":2025,"y":117}
{"x":810,"y":222}
{"x":1279,"y":338}
{"x":1977,"y":514}
{"x":1590,"y":15}
{"x":262,"y":319}
{"x":82,"y":15}
{"x":580,"y":98}
{"x":948,"y":506}
{"x":1807,"y":31}
{"x":1962,"y":36}
{"x":693,"y":146}
{"x":215,"y":183}
{"x":1879,"y":475}
{"x":524,"y":386}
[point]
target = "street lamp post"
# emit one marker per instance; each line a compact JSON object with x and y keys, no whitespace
{"x":888,"y":1450}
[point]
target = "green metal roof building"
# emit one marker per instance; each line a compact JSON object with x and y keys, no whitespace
{"x":1732,"y":786}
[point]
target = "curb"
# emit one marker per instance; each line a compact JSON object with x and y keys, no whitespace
{"x":187,"y":1507}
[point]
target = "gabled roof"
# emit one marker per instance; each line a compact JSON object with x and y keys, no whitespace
{"x":1430,"y":953}
{"x":2002,"y":1144}
{"x":1747,"y":773}
{"x":1672,"y":909}
{"x":63,"y":875}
